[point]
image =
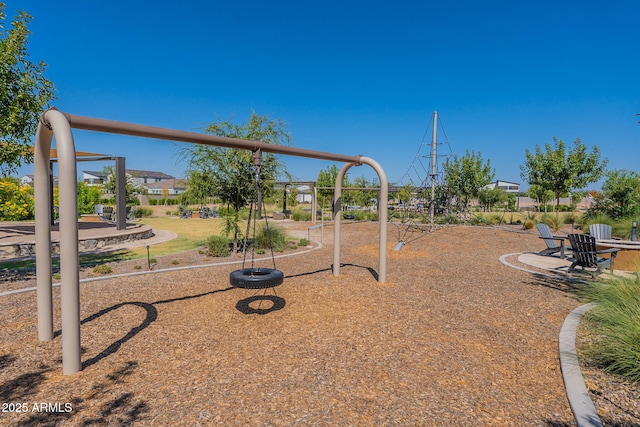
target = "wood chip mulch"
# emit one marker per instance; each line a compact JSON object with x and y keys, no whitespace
{"x":453,"y":337}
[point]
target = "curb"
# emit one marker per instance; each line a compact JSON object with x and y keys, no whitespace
{"x":583,"y":409}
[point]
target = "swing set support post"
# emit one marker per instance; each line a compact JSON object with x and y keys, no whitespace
{"x":382,"y":217}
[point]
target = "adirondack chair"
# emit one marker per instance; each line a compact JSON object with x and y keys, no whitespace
{"x":184,"y":213}
{"x":105,"y":213}
{"x":601,"y":231}
{"x":554,"y":243}
{"x":587,"y":255}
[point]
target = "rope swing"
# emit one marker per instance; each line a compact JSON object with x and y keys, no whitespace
{"x":251,"y":277}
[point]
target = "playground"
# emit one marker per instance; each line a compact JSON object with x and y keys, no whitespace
{"x":454,"y":337}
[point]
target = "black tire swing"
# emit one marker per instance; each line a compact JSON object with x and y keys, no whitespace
{"x":256,"y":277}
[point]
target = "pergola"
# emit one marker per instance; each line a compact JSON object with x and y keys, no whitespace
{"x":121,"y":181}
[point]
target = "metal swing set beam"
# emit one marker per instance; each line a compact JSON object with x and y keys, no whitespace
{"x":59,"y":124}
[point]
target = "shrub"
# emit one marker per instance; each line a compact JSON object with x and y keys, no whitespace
{"x":479,"y":219}
{"x":446,"y":219}
{"x":274,"y":237}
{"x":16,"y":202}
{"x":303,"y":242}
{"x":300,"y":215}
{"x":495,"y":219}
{"x":142,"y":212}
{"x":218,"y":246}
{"x":554,"y":221}
{"x":615,"y":323}
{"x":102,"y":269}
{"x":622,"y":228}
{"x":571,"y":218}
{"x":529,"y":224}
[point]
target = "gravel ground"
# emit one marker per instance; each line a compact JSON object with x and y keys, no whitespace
{"x":453,"y":337}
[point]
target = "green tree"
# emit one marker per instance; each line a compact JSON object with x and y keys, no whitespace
{"x":364,"y":197}
{"x":489,"y":197}
{"x":560,"y":171}
{"x":465,"y":176}
{"x":405,"y":194}
{"x":542,"y":195}
{"x":88,"y":197}
{"x":130,"y":188}
{"x":327,"y":179}
{"x":622,"y":187}
{"x":229,"y":173}
{"x":24,"y":93}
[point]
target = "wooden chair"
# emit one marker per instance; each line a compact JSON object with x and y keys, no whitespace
{"x":184,"y":213}
{"x":601,"y":231}
{"x":587,"y":255}
{"x":554,"y":243}
{"x":106,"y":213}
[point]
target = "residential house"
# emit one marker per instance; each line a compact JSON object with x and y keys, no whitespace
{"x":28,"y":180}
{"x":140,"y":178}
{"x":166,"y":187}
{"x":506,"y":186}
{"x":93,"y":178}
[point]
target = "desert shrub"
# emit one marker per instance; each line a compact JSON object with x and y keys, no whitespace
{"x":444,"y":219}
{"x":300,"y":215}
{"x":571,"y":218}
{"x":142,"y":212}
{"x":479,"y":219}
{"x":303,"y":242}
{"x":273,"y":237}
{"x":529,"y":224}
{"x":218,"y":246}
{"x":495,"y":219}
{"x":615,"y":324}
{"x":554,"y":221}
{"x":102,"y":269}
{"x":622,"y":228}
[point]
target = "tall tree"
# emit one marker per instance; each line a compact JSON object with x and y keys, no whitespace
{"x":465,"y":176}
{"x":622,"y":187}
{"x":560,"y":171}
{"x":228,"y":173}
{"x":327,"y":179}
{"x":24,"y":93}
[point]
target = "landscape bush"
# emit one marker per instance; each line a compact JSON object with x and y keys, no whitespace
{"x":218,"y":246}
{"x":554,"y":221}
{"x":614,"y":325}
{"x":273,"y":237}
{"x":142,"y":212}
{"x":16,"y":202}
{"x":300,"y":215}
{"x":102,"y":269}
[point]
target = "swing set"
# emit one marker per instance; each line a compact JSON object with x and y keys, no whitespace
{"x":56,"y":123}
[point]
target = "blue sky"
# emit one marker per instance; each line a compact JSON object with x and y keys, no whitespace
{"x":350,"y":77}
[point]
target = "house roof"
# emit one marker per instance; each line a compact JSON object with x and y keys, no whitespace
{"x":99,"y":174}
{"x":500,"y":181}
{"x":148,"y":174}
{"x":167,"y":183}
{"x":134,"y":173}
